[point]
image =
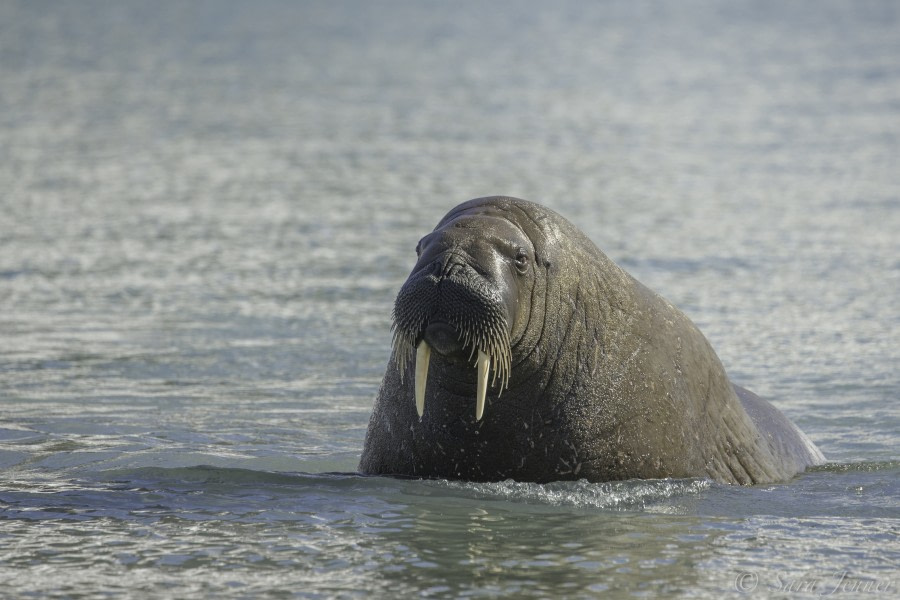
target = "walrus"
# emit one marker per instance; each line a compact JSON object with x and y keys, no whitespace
{"x":520,"y":351}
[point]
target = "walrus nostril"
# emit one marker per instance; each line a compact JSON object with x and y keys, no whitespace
{"x":447,"y":265}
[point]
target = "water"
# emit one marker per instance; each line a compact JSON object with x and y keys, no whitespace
{"x":205,"y":212}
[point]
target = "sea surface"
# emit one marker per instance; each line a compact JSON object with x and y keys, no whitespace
{"x":207,"y":208}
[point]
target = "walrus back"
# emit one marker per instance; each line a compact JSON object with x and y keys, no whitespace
{"x":779,"y":432}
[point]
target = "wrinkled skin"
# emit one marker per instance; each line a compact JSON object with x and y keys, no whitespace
{"x":606,"y":379}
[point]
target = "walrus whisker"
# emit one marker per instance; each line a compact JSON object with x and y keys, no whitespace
{"x":484,"y":333}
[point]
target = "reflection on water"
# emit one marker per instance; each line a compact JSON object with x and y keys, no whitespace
{"x":337,"y":531}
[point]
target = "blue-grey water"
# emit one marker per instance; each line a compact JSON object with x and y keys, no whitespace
{"x":206,"y":209}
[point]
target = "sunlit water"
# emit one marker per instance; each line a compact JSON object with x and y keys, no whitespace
{"x":206,"y":209}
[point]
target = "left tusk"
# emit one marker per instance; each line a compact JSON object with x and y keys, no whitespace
{"x":423,"y":355}
{"x":484,"y":365}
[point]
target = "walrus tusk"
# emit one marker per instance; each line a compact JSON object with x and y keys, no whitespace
{"x":484,"y":365}
{"x":423,"y":355}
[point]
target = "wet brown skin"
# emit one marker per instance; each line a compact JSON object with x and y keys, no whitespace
{"x":607,"y":380}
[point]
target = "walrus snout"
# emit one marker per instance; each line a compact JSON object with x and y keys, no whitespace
{"x":449,"y":307}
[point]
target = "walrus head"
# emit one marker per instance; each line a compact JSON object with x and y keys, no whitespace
{"x":461,"y":299}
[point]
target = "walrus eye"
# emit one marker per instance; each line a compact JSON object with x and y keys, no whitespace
{"x":521,"y":260}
